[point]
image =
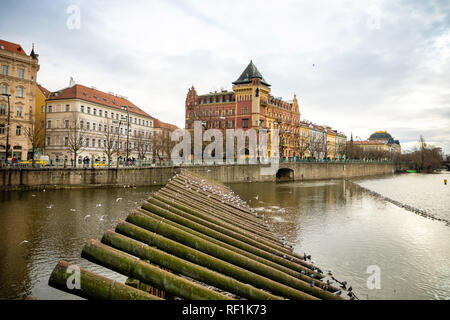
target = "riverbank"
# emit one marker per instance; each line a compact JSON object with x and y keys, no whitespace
{"x":18,"y":179}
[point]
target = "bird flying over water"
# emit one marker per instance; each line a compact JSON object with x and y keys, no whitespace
{"x":23,"y":242}
{"x":118,"y":199}
{"x":87,"y":216}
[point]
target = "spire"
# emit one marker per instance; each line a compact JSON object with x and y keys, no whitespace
{"x":32,"y":54}
{"x":250,"y":73}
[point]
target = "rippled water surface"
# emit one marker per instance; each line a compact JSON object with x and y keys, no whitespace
{"x":343,"y":227}
{"x":351,"y":232}
{"x":423,"y":191}
{"x":56,"y":224}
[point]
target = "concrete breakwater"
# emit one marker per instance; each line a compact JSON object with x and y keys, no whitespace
{"x":405,"y":206}
{"x":39,"y":178}
{"x":195,"y":239}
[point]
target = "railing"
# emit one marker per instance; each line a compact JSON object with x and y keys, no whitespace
{"x":169,"y":163}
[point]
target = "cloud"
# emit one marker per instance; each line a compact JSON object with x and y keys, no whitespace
{"x":377,"y":64}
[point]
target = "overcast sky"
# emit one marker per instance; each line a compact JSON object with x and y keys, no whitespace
{"x":358,"y":66}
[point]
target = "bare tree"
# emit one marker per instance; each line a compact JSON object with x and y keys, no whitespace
{"x":303,"y":144}
{"x":143,"y":146}
{"x":162,"y":144}
{"x":35,"y":136}
{"x":109,"y":143}
{"x":76,"y":138}
{"x":317,"y":145}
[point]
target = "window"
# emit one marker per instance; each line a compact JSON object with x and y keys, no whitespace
{"x":87,"y":142}
{"x":88,"y":126}
{"x":19,"y":111}
{"x":48,"y":141}
{"x":95,"y":112}
{"x":18,"y":130}
{"x":66,"y":124}
{"x":82,"y":109}
{"x":244,"y":123}
{"x":5,"y":70}
{"x":2,"y":129}
{"x":99,"y":127}
{"x":20,"y":92}
{"x":4,"y":88}
{"x":100,"y":113}
{"x":112,"y":115}
{"x":43,"y":109}
{"x":93,"y":143}
{"x":66,"y":141}
{"x":49,"y":124}
{"x":21,"y":73}
{"x":106,"y":114}
{"x":89,"y":110}
{"x":2,"y":109}
{"x":49,"y":109}
{"x":81,"y":124}
{"x":93,"y":126}
{"x":67,"y":107}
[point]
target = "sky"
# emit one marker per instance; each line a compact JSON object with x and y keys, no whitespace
{"x":357,"y":66}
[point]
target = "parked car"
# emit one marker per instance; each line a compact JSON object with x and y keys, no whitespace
{"x":100,"y":164}
{"x":36,"y":162}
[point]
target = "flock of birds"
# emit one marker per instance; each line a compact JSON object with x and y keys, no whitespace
{"x":230,"y":197}
{"x":86,"y":217}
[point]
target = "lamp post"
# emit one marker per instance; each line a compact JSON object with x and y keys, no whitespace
{"x":7,"y":127}
{"x":128,"y":127}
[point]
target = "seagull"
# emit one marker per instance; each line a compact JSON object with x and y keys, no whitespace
{"x":98,"y":205}
{"x":102,"y":218}
{"x":118,"y":199}
{"x":23,"y":242}
{"x":87,"y":216}
{"x":50,"y":206}
{"x":350,"y":289}
{"x":33,"y":195}
{"x":338,"y":293}
{"x":256,"y":197}
{"x":73,"y":210}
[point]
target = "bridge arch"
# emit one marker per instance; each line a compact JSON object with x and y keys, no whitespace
{"x":285,"y":174}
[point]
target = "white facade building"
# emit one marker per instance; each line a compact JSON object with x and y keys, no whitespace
{"x":98,"y":119}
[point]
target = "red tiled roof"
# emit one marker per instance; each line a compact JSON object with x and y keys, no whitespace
{"x":159,"y":124}
{"x":44,"y":91}
{"x":12,"y":47}
{"x":79,"y":91}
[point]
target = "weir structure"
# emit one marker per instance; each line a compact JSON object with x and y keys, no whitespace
{"x":195,"y":239}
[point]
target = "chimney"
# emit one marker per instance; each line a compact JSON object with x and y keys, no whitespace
{"x":72,"y":83}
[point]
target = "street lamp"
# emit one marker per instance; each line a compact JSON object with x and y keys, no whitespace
{"x":7,"y":127}
{"x":128,"y":127}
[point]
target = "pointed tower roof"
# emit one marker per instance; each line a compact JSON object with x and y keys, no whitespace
{"x":250,"y":73}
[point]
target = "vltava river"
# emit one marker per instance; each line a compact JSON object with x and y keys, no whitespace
{"x":353,"y":233}
{"x":343,"y":227}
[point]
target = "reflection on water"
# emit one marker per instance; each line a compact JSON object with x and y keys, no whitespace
{"x":348,"y":230}
{"x":56,"y":224}
{"x":343,"y":227}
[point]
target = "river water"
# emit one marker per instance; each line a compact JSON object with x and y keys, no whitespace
{"x":381,"y":249}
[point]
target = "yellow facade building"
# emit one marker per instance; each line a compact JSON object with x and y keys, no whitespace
{"x":17,"y":100}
